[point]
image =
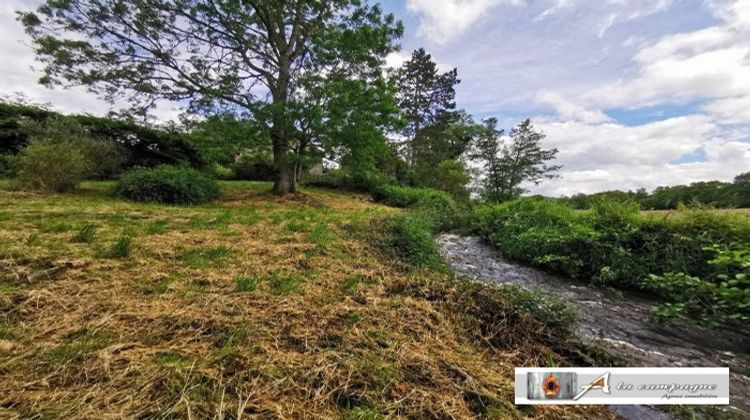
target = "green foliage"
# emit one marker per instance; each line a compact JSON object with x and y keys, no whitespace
{"x":450,"y":176}
{"x":52,"y":166}
{"x":397,"y":196}
{"x":614,"y":244}
{"x":424,"y":95}
{"x":8,"y":166}
{"x":410,"y":237}
{"x":611,"y":214}
{"x":246,"y":284}
{"x":222,"y":137}
{"x":342,"y":40}
{"x":554,"y":318}
{"x":85,"y":234}
{"x":112,"y":144}
{"x":511,"y":162}
{"x":121,"y":248}
{"x":256,"y":166}
{"x":168,"y":185}
{"x":222,"y":172}
{"x":713,"y":193}
{"x":721,"y":297}
{"x":105,"y":158}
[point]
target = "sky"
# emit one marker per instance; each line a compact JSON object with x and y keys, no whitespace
{"x":633,"y":93}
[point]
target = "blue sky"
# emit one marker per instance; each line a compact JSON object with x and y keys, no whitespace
{"x":634,"y":93}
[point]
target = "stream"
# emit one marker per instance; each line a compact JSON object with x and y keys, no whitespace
{"x":618,"y":318}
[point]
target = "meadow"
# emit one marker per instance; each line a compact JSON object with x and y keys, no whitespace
{"x":252,"y":305}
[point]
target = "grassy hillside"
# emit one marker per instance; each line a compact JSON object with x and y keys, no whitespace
{"x":251,"y":306}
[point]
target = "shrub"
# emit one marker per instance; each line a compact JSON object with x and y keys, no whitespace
{"x":721,"y":297}
{"x":409,"y":237}
{"x":397,"y":196}
{"x":336,"y":179}
{"x":8,"y":166}
{"x":450,"y":176}
{"x":52,"y":166}
{"x":168,"y":185}
{"x":107,"y":158}
{"x":256,"y":166}
{"x":222,"y":172}
{"x":346,"y":180}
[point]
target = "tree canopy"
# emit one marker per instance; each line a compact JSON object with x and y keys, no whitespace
{"x":232,"y":55}
{"x":511,"y":161}
{"x":425,"y":95}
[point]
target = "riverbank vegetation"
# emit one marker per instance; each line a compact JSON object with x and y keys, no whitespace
{"x":695,"y":259}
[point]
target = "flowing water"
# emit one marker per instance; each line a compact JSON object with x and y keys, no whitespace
{"x":620,"y":319}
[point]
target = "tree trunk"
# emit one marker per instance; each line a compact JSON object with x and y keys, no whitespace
{"x":284,"y":182}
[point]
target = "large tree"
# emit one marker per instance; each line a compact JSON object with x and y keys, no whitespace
{"x":244,"y":55}
{"x":511,"y":161}
{"x":425,"y":96}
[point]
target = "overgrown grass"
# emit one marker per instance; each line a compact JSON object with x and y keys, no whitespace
{"x":195,"y":322}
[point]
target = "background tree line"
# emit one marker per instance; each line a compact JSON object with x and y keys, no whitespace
{"x":725,"y":195}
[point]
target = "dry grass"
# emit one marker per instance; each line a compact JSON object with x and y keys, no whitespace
{"x":165,"y":330}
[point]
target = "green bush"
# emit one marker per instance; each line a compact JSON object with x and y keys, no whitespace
{"x":106,"y":158}
{"x":409,"y":236}
{"x":397,"y":196}
{"x":721,"y":297}
{"x":614,"y":244}
{"x":8,"y":166}
{"x":222,"y":172}
{"x":52,"y":166}
{"x":256,"y":166}
{"x":450,"y":176}
{"x":168,"y":185}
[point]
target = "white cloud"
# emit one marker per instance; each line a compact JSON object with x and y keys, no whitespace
{"x":598,"y":157}
{"x":395,"y":60}
{"x":570,"y":111}
{"x":730,"y":110}
{"x":442,"y":20}
{"x":710,"y":63}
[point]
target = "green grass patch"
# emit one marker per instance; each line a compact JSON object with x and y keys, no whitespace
{"x":120,"y":249}
{"x":157,"y":227}
{"x":205,"y":257}
{"x":81,"y":344}
{"x":55,"y":227}
{"x":244,"y":284}
{"x":85,"y":234}
{"x":285,"y":283}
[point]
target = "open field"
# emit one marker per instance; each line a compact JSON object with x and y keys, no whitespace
{"x":254,"y":305}
{"x":671,"y":213}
